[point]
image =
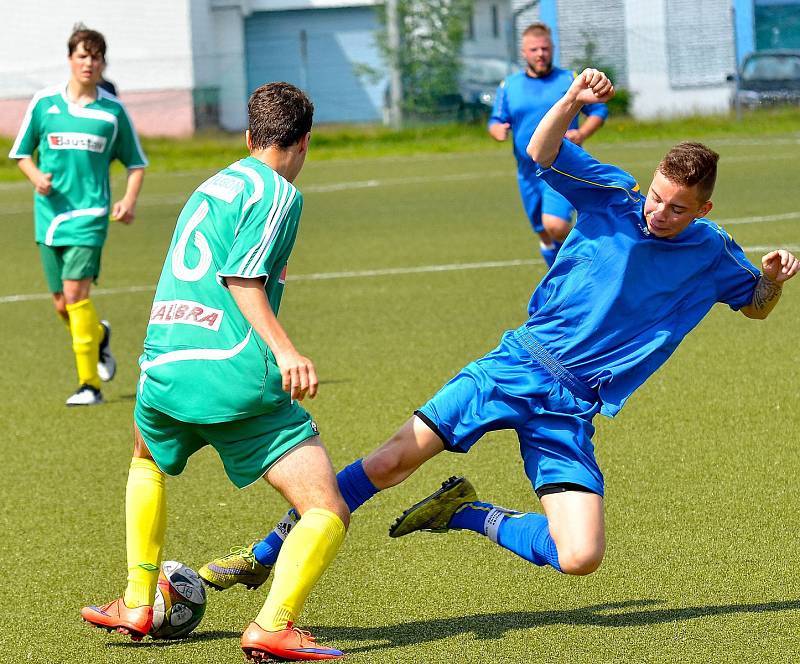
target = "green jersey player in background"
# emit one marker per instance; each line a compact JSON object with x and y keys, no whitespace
{"x":78,"y":129}
{"x":218,"y":369}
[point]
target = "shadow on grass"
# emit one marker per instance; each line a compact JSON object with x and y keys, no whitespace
{"x":495,"y":626}
{"x":162,"y":643}
{"x":633,"y":613}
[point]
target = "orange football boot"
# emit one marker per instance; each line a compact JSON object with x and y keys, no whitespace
{"x":116,"y":616}
{"x":290,"y":644}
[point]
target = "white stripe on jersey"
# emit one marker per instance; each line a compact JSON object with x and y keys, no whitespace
{"x":65,"y":216}
{"x":107,"y":95}
{"x":243,"y":269}
{"x":278,"y":217}
{"x":26,"y":121}
{"x":213,"y":354}
{"x":91,"y":114}
{"x":258,"y":183}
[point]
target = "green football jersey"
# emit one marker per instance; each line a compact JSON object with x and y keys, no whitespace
{"x":202,"y":360}
{"x":76,"y":144}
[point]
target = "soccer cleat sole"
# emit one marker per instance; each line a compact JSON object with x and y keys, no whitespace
{"x":214,"y":586}
{"x":134,"y":634}
{"x":254,"y":655}
{"x":461,"y":489}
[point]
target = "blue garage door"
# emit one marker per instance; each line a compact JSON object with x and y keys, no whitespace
{"x":320,"y":51}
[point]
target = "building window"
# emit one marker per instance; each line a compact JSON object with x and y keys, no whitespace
{"x":495,"y":21}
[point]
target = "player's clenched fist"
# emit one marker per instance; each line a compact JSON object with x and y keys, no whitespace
{"x":591,"y":86}
{"x":779,"y":265}
{"x":43,"y":184}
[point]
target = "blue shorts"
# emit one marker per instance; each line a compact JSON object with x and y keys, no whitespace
{"x":539,"y":198}
{"x":509,"y":389}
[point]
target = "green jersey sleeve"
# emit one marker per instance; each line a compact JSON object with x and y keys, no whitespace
{"x":29,"y":133}
{"x":265,"y":235}
{"x":127,"y":147}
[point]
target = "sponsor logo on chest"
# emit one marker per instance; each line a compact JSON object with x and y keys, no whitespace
{"x":170,"y":312}
{"x":73,"y":140}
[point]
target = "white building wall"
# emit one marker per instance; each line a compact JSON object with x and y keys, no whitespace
{"x":581,"y":29}
{"x":484,"y":41}
{"x":149,"y":56}
{"x":148,"y":49}
{"x":649,"y":49}
{"x":231,"y":66}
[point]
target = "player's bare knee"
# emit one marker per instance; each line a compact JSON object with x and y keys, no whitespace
{"x":580,"y":560}
{"x":387,"y":466}
{"x":328,"y":501}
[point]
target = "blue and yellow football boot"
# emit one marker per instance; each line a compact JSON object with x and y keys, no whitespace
{"x":434,"y":512}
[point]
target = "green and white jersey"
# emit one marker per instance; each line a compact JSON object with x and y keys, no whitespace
{"x":77,"y":145}
{"x":202,"y":360}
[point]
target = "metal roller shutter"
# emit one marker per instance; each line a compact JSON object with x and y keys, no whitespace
{"x":319,"y":50}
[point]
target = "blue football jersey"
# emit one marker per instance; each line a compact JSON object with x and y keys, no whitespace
{"x":523,"y":100}
{"x":618,"y":300}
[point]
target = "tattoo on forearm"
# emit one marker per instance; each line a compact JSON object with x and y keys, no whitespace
{"x":766,"y":293}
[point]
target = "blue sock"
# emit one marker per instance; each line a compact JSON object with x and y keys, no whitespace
{"x":528,"y":536}
{"x":356,"y":489}
{"x":549,"y":253}
{"x":525,"y":534}
{"x":471,"y":516}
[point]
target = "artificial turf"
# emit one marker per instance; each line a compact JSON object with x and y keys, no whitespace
{"x":701,"y":466}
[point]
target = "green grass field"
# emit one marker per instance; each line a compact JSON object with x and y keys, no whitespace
{"x":390,"y":294}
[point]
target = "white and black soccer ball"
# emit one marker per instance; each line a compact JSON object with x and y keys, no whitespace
{"x":180,"y":601}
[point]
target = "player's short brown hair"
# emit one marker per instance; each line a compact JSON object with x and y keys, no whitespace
{"x":538,"y":30}
{"x":689,"y":164}
{"x":279,"y":115}
{"x":92,"y":41}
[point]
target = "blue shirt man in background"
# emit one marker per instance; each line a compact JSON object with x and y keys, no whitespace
{"x":634,"y":277}
{"x":521,"y":102}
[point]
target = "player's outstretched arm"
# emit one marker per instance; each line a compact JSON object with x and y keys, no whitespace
{"x":42,"y":182}
{"x":124,"y":210}
{"x":591,"y":86}
{"x":298,"y":373}
{"x":777,"y":267}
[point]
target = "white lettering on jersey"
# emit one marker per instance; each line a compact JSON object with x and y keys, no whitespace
{"x":179,"y":267}
{"x":224,"y":187}
{"x":170,"y":312}
{"x":73,"y":140}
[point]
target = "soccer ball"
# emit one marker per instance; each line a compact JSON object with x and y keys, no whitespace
{"x":180,"y":601}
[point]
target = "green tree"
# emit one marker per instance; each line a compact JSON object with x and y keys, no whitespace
{"x":429,"y":57}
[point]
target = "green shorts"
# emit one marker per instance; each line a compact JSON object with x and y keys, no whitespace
{"x":247,"y":447}
{"x":73,"y":263}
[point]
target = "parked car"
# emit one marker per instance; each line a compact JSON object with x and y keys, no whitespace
{"x":768,"y":78}
{"x":479,"y":80}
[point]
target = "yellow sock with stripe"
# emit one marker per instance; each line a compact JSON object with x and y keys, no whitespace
{"x":145,"y":525}
{"x":84,"y":326}
{"x":306,"y":553}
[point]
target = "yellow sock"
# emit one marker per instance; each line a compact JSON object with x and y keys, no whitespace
{"x":145,"y":525}
{"x":83,"y":324}
{"x":306,"y":553}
